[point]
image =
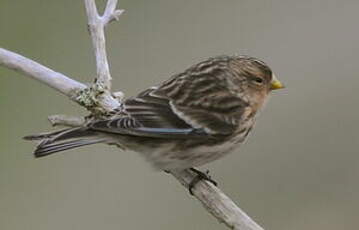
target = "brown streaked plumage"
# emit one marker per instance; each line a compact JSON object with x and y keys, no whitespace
{"x":193,"y":118}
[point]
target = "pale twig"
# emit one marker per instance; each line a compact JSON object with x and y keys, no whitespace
{"x":96,"y":26}
{"x":55,"y":80}
{"x":65,"y":120}
{"x":92,"y":98}
{"x":111,"y":13}
{"x":99,"y":98}
{"x":217,"y":203}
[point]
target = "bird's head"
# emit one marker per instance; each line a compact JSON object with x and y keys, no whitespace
{"x":255,"y":78}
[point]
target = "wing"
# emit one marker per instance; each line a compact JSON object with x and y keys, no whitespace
{"x":149,"y":115}
{"x":199,"y":102}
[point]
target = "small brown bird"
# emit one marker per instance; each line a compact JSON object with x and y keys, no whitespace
{"x":191,"y":119}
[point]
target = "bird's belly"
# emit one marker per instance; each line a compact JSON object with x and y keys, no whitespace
{"x":182,"y":154}
{"x":170,"y":158}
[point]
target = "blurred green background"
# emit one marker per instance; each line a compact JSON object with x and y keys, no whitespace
{"x":298,"y":170}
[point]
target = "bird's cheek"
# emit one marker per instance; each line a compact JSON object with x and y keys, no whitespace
{"x":265,"y":100}
{"x":258,"y":99}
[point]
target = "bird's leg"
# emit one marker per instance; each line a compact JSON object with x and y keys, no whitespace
{"x":200,"y":176}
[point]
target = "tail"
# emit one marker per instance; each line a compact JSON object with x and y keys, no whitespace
{"x":63,"y":140}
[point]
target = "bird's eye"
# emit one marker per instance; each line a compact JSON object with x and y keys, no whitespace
{"x":258,"y":80}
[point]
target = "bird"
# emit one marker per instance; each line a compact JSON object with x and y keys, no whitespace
{"x":191,"y":119}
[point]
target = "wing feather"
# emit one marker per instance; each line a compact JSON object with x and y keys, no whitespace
{"x":148,"y":115}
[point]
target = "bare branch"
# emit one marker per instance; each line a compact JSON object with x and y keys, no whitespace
{"x":96,"y":28}
{"x":217,"y":203}
{"x":111,"y":13}
{"x":55,"y":80}
{"x":110,"y":7}
{"x":66,"y":120}
{"x":96,"y":25}
{"x":93,"y":98}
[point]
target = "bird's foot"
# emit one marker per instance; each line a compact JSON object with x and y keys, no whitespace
{"x":200,"y":176}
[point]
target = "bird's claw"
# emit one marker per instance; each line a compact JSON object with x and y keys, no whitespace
{"x":200,"y":176}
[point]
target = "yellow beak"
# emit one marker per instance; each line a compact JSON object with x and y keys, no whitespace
{"x":275,"y":83}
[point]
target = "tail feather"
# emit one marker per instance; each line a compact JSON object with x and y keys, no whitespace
{"x":47,"y":149}
{"x":42,"y":136}
{"x":65,"y":139}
